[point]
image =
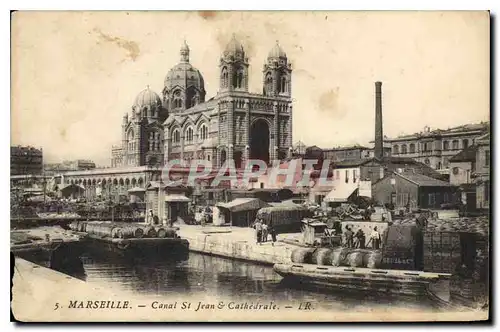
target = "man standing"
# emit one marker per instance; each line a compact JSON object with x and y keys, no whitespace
{"x":272,"y":231}
{"x":375,"y":238}
{"x":258,"y":230}
{"x":360,"y":236}
{"x":348,"y":237}
{"x":150,"y":219}
{"x":264,"y":232}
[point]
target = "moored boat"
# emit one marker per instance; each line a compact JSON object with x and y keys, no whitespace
{"x":401,"y":282}
{"x":131,"y":240}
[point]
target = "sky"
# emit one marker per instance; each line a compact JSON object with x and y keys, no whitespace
{"x":74,"y":74}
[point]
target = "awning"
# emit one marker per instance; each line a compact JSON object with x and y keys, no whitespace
{"x":314,"y":223}
{"x":340,"y":194}
{"x":136,"y":190}
{"x":243,"y":204}
{"x":78,"y":186}
{"x":176,"y":198}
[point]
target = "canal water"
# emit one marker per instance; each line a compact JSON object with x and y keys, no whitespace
{"x":224,"y":278}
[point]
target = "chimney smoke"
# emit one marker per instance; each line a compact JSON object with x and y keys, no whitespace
{"x":379,"y":134}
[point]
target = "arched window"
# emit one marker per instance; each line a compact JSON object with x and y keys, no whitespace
{"x":203,"y":132}
{"x":465,"y":143}
{"x":238,"y":79}
{"x":130,"y":139}
{"x":268,"y":83}
{"x":403,"y":149}
{"x":194,"y":101}
{"x":189,"y":134}
{"x":177,"y":103}
{"x":395,"y":149}
{"x":176,"y":137}
{"x":283,"y":84}
{"x":446,"y":145}
{"x":412,"y":148}
{"x":177,"y":99}
{"x":454,"y":144}
{"x":224,"y":77}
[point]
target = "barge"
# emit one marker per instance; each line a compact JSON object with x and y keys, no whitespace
{"x":134,"y":241}
{"x":51,"y":247}
{"x":400,"y":282}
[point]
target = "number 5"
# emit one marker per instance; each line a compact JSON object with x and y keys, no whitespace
{"x":57,"y":306}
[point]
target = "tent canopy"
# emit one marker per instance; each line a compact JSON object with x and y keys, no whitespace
{"x":176,"y":198}
{"x":243,"y":204}
{"x":136,"y":190}
{"x":72,"y":186}
{"x":340,"y":194}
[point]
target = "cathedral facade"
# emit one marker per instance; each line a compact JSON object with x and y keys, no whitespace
{"x":234,"y":124}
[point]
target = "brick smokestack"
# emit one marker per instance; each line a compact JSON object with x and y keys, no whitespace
{"x":379,"y":133}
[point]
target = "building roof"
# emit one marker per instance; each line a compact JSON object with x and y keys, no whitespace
{"x":351,"y":147}
{"x":234,"y":49}
{"x":147,"y":98}
{"x":446,"y":132}
{"x":351,"y":163}
{"x":423,"y":180}
{"x":243,"y":204}
{"x":468,"y":154}
{"x":276,"y":52}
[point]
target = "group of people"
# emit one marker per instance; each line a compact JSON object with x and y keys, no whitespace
{"x":154,"y":220}
{"x":358,"y":239}
{"x":262,"y":231}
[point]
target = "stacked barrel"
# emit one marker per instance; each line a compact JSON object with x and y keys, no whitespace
{"x":122,"y":230}
{"x":338,"y":257}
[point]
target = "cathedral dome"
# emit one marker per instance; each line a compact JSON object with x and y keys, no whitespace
{"x":147,"y":98}
{"x":234,"y":49}
{"x":184,"y":74}
{"x":276,"y":52}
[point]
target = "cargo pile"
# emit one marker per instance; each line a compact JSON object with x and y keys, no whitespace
{"x":399,"y":246}
{"x":448,"y":242}
{"x":338,"y":257}
{"x":478,"y":226}
{"x":118,"y":230}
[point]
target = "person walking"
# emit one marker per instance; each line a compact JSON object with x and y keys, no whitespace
{"x":258,"y":230}
{"x":272,"y":231}
{"x":375,"y":238}
{"x":264,"y":232}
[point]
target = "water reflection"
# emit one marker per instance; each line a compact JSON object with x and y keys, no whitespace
{"x":232,"y":279}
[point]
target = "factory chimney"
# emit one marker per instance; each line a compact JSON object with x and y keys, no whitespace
{"x":379,"y":133}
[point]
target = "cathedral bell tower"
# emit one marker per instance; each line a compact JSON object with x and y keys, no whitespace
{"x":277,"y":73}
{"x":234,"y":67}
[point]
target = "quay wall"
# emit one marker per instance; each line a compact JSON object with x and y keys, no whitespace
{"x":230,"y":245}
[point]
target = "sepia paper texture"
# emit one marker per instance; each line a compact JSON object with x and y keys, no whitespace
{"x":74,"y":75}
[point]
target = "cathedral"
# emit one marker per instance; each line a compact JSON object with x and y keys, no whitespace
{"x":234,"y":124}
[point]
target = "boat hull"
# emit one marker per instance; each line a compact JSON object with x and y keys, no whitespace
{"x":412,"y":283}
{"x":145,"y":248}
{"x":60,"y":256}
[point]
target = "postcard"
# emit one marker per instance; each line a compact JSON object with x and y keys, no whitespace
{"x":205,"y":166}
